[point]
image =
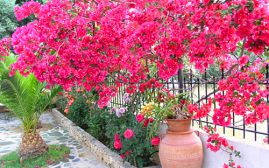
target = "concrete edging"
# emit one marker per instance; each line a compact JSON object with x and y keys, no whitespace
{"x":102,"y":152}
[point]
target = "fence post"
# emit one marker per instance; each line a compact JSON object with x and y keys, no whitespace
{"x":180,"y":80}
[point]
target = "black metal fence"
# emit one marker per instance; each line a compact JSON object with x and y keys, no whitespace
{"x":201,"y":87}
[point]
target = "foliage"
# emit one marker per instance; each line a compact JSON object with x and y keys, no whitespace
{"x":8,"y":21}
{"x":24,"y":96}
{"x":171,"y":106}
{"x":61,"y":103}
{"x":20,"y":2}
{"x":129,"y":136}
{"x":70,"y":45}
{"x":96,"y":123}
{"x":55,"y":154}
{"x":81,"y":108}
{"x":78,"y":108}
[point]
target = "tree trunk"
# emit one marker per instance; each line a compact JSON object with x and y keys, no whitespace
{"x":32,"y":145}
{"x":39,"y":125}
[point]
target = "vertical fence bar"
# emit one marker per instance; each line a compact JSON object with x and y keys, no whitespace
{"x":191,"y":89}
{"x":222,"y":76}
{"x":206,"y":93}
{"x":173,"y":85}
{"x":184,"y":84}
{"x":191,"y":85}
{"x":214,"y":90}
{"x":255,"y":132}
{"x":180,"y":80}
{"x":199,"y":96}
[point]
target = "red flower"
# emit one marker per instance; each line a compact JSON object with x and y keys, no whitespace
{"x":131,"y":89}
{"x":60,"y":93}
{"x":151,"y":120}
{"x":155,"y":141}
{"x":140,"y":118}
{"x":128,"y":134}
{"x":127,"y":153}
{"x":116,"y":137}
{"x":117,"y":144}
{"x":146,"y":122}
{"x":122,"y":156}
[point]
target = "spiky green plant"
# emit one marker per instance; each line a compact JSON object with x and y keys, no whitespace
{"x":27,"y":98}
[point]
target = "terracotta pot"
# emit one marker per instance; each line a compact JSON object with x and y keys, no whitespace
{"x":180,"y":147}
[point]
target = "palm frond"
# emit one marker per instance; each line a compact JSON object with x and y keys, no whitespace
{"x":20,"y":95}
{"x":24,"y":96}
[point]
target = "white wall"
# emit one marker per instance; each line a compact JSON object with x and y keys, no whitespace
{"x":253,"y":155}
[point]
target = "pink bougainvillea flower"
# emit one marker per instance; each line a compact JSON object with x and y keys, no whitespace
{"x":131,"y":89}
{"x":5,"y":45}
{"x":244,"y":60}
{"x":128,"y":133}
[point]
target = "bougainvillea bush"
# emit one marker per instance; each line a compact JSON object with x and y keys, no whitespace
{"x":141,"y":42}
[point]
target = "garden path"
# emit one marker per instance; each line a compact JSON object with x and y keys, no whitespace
{"x":80,"y":157}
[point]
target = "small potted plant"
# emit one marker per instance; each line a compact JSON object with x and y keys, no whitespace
{"x":180,"y":145}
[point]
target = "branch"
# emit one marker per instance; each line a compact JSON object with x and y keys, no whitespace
{"x":243,"y":47}
{"x":207,"y":96}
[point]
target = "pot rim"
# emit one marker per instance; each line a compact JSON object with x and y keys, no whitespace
{"x":178,"y":119}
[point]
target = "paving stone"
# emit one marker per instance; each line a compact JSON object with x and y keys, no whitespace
{"x":79,"y":157}
{"x":71,"y":157}
{"x":6,"y":143}
{"x":76,"y":160}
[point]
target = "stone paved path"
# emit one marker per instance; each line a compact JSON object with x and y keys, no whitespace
{"x":80,"y":157}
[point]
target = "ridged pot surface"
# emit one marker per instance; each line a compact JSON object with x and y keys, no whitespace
{"x":181,"y":147}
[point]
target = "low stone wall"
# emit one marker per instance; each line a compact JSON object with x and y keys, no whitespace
{"x":102,"y":152}
{"x":109,"y":157}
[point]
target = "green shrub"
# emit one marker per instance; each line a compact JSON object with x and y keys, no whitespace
{"x":8,"y":21}
{"x":96,"y":123}
{"x":61,"y":103}
{"x":78,"y":112}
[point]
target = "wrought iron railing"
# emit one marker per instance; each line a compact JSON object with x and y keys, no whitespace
{"x":203,"y":86}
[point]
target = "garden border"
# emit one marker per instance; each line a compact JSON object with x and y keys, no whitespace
{"x":102,"y":152}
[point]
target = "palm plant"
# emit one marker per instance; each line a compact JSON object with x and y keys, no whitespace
{"x":27,"y":99}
